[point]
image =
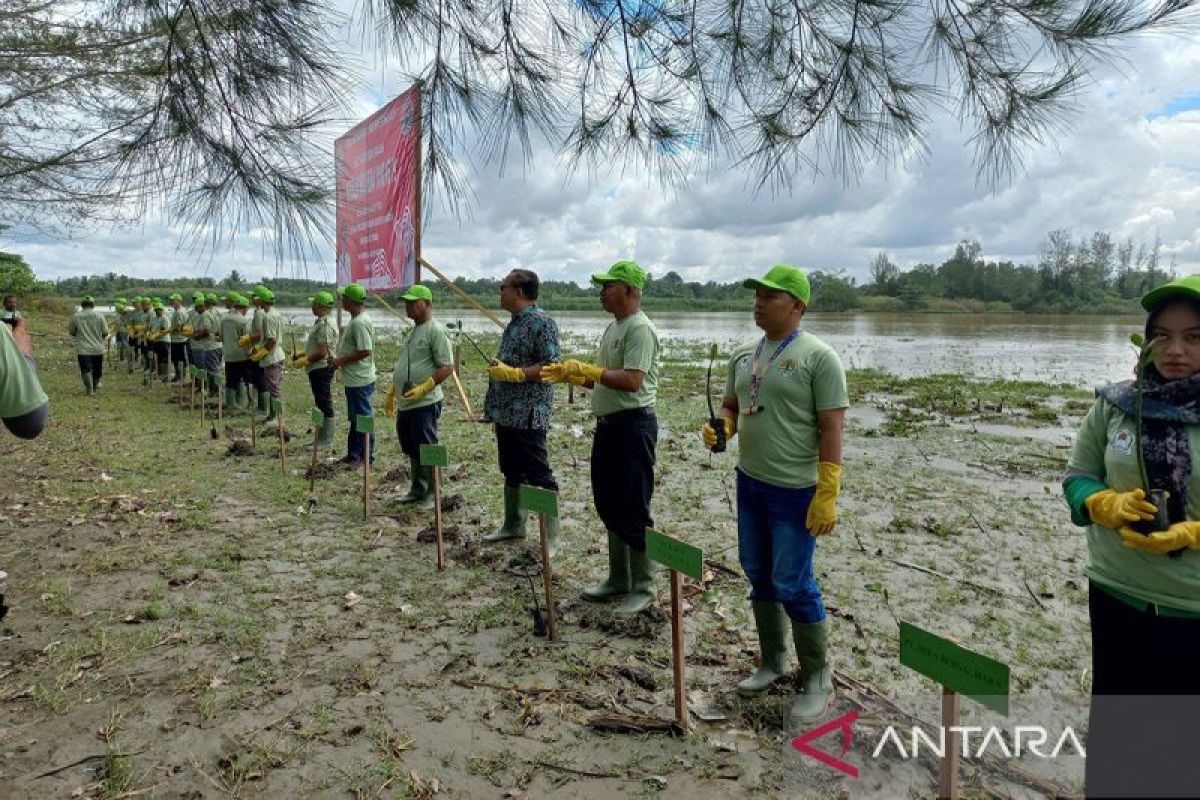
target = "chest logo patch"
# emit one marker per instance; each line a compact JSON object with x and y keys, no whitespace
{"x":1122,"y":443}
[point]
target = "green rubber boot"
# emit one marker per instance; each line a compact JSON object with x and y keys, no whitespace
{"x":641,"y":584}
{"x":618,"y":572}
{"x":426,"y":501}
{"x":164,"y":371}
{"x":772,"y":625}
{"x":270,"y":417}
{"x":514,"y":518}
{"x":325,"y":435}
{"x":242,"y":402}
{"x":417,"y":491}
{"x":88,"y":386}
{"x":264,"y":404}
{"x":230,"y":400}
{"x":816,"y":676}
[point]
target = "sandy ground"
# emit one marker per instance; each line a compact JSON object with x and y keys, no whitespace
{"x":180,"y":625}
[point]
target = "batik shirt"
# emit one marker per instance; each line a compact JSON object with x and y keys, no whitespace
{"x":531,"y":337}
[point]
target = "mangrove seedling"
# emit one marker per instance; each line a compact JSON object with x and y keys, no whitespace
{"x":1158,"y":497}
{"x":714,"y":422}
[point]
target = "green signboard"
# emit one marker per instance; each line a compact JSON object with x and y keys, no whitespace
{"x":955,"y":667}
{"x":434,"y":455}
{"x":677,"y":555}
{"x":364,"y":423}
{"x":218,"y":378}
{"x":541,"y":501}
{"x":277,"y":406}
{"x":317,"y":417}
{"x":197,"y":372}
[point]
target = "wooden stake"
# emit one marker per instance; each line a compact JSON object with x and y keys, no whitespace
{"x":312,"y":471}
{"x":547,"y":576}
{"x":677,"y":655}
{"x":454,"y":288}
{"x":220,"y":407}
{"x":254,"y":423}
{"x":366,"y":475}
{"x":437,"y":516}
{"x":948,"y":774}
{"x":282,"y":444}
{"x":203,"y":403}
{"x":462,"y":395}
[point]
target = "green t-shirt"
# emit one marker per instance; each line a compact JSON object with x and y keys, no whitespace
{"x":356,"y":336}
{"x":272,"y":328}
{"x":137,"y":317}
{"x":11,"y":316}
{"x":163,"y":323}
{"x":778,"y":444}
{"x":207,"y":320}
{"x":321,"y":333}
{"x":1104,"y":449}
{"x":631,"y":343}
{"x":425,"y":350}
{"x":234,"y":326}
{"x":122,"y":320}
{"x":89,"y":329}
{"x":178,"y":318}
{"x":20,"y":390}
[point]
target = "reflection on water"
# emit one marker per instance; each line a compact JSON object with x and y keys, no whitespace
{"x":1084,"y":351}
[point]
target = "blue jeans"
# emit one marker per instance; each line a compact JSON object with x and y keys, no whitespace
{"x":358,"y":403}
{"x":776,"y":549}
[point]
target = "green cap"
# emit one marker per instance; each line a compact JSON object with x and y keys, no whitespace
{"x":323,"y":299}
{"x":177,"y":296}
{"x":240,"y":300}
{"x":88,"y":299}
{"x":158,"y":303}
{"x":198,"y":297}
{"x":783,"y":278}
{"x":257,"y":291}
{"x":354,"y":292}
{"x":122,"y":301}
{"x":624,"y":271}
{"x":266,"y":296}
{"x":229,"y":297}
{"x":1180,"y":287}
{"x":417,"y":292}
{"x":211,"y":297}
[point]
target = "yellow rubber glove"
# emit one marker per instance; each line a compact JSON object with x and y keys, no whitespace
{"x":503,"y":373}
{"x":187,"y":330}
{"x":243,"y":342}
{"x":420,"y":390}
{"x":389,"y":402}
{"x":1115,"y":510}
{"x":1177,"y":537}
{"x":259,"y":354}
{"x":710,"y":436}
{"x":300,"y":361}
{"x":553,"y":373}
{"x":582,"y":371}
{"x":822,"y":511}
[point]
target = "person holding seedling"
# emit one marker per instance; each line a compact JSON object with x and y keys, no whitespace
{"x":624,"y":444}
{"x":234,"y":326}
{"x":177,"y":338}
{"x":268,"y":353}
{"x":518,"y":403}
{"x":415,"y":397}
{"x":322,"y":338}
{"x":1133,"y":479}
{"x":785,"y":396}
{"x":89,"y":329}
{"x":159,"y":330}
{"x":355,"y":357}
{"x":248,"y":343}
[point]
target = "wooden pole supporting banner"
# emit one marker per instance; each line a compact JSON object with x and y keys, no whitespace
{"x":462,"y":395}
{"x":547,"y":576}
{"x":948,"y":773}
{"x":365,"y":424}
{"x":677,"y":653}
{"x":437,"y":517}
{"x":454,"y":288}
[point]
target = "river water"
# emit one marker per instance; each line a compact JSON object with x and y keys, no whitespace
{"x":1080,"y":350}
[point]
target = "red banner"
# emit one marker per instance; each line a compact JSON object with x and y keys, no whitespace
{"x":379,"y":197}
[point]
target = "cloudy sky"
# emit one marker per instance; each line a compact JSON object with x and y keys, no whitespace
{"x":1127,"y":161}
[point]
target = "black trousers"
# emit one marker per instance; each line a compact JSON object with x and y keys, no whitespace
{"x":92,"y":364}
{"x":320,"y":381}
{"x":1145,"y":703}
{"x":523,"y":458}
{"x":417,"y":427}
{"x":161,"y":351}
{"x":623,"y":455}
{"x":237,"y":373}
{"x":178,"y":353}
{"x":254,"y":374}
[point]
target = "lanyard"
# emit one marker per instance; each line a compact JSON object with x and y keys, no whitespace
{"x":758,"y":370}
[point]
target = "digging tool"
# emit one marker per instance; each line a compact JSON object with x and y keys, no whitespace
{"x":490,"y":360}
{"x":544,"y":503}
{"x":717,"y":424}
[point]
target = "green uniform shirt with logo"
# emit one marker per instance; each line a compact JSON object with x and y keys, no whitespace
{"x":208,"y":321}
{"x":631,"y":343}
{"x":89,"y":329}
{"x":20,"y":391}
{"x":234,"y":326}
{"x":426,"y":349}
{"x":1104,"y":449}
{"x":778,"y":443}
{"x":137,"y":318}
{"x":162,"y":323}
{"x":321,"y":333}
{"x":272,"y":328}
{"x":357,"y":335}
{"x":179,"y":318}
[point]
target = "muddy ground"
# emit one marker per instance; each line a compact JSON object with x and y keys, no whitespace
{"x":180,"y":624}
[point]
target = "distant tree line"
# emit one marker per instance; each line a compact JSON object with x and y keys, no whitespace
{"x":1093,"y":274}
